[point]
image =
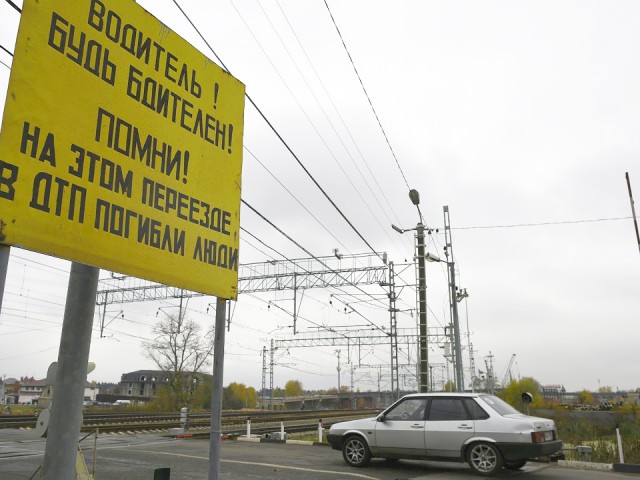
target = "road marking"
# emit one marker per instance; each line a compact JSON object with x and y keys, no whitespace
{"x":270,"y":465}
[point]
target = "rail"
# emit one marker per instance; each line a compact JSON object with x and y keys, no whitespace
{"x":232,"y":422}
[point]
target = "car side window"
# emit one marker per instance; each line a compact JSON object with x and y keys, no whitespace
{"x":447,"y":409}
{"x":475,"y":411}
{"x":411,"y":409}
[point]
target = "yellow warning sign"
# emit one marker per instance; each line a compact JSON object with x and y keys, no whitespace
{"x":121,"y":147}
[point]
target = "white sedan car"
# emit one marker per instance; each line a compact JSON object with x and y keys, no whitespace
{"x":476,"y":428}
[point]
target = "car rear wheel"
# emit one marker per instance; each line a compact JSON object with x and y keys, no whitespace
{"x":484,"y":459}
{"x":517,"y":465}
{"x":356,"y":451}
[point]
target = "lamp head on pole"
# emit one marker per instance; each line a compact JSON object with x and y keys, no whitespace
{"x":414,"y":196}
{"x":430,"y":257}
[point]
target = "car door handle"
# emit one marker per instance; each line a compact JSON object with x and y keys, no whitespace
{"x":465,"y":427}
{"x":417,"y":425}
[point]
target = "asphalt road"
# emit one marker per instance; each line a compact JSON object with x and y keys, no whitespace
{"x":135,"y":457}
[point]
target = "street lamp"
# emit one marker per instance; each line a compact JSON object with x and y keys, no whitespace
{"x":414,"y":196}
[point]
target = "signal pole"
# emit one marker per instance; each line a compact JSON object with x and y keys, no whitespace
{"x":453,"y":301}
{"x":338,"y":353}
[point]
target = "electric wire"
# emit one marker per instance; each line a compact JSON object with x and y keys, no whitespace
{"x":344,"y":124}
{"x":16,"y":7}
{"x":384,"y":133}
{"x":296,"y":199}
{"x":277,"y":133}
{"x":542,"y":224}
{"x":3,"y":48}
{"x":296,"y":243}
{"x":326,"y":116}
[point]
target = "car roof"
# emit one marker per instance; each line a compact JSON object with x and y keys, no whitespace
{"x":443,"y":394}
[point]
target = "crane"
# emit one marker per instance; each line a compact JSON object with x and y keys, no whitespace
{"x":507,"y":373}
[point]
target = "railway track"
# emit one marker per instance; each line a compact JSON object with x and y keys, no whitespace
{"x":232,"y":422}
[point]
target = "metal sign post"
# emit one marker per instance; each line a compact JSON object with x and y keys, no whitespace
{"x":4,"y":265}
{"x":75,"y":342}
{"x":216,"y":394}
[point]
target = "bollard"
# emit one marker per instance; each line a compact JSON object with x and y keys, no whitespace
{"x":619,"y":438}
{"x":162,"y":474}
{"x":248,"y":427}
{"x":282,"y":428}
{"x":184,"y":417}
{"x":320,"y":431}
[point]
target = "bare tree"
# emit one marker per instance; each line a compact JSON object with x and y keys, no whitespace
{"x":181,"y":350}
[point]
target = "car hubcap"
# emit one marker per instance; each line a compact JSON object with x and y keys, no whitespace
{"x":483,"y":458}
{"x":355,"y":452}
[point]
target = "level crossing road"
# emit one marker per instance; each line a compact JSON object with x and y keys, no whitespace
{"x":135,"y":457}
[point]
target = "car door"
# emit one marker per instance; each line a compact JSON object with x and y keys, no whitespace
{"x":401,"y":430}
{"x":447,"y":427}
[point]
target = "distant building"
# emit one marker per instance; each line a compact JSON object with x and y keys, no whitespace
{"x":9,"y":391}
{"x":30,"y":390}
{"x":142,"y":386}
{"x":554,"y":393}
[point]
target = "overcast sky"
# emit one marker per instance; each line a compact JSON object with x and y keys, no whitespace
{"x":522,"y":117}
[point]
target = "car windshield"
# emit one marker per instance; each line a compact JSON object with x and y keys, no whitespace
{"x":499,"y":405}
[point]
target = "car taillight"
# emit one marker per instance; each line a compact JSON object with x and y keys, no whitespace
{"x":541,"y":437}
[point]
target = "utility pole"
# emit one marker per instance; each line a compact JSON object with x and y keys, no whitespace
{"x":271,"y":361}
{"x":353,"y":395}
{"x":338,"y":353}
{"x":423,"y":348}
{"x":393,"y":332}
{"x":633,"y":209}
{"x":422,"y":311}
{"x":458,"y":371}
{"x":264,"y":375}
{"x":463,"y":294}
{"x":490,"y":382}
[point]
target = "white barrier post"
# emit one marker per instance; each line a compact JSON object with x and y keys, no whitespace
{"x":320,"y":432}
{"x":248,"y":427}
{"x":282,"y":429}
{"x":620,"y":452}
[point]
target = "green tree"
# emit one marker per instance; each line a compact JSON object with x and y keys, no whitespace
{"x":586,"y":397}
{"x":202,"y":396}
{"x":293,"y":388}
{"x":449,"y":386}
{"x":181,"y":350}
{"x":230,"y":399}
{"x":512,"y":393}
{"x":238,"y":395}
{"x":252,"y":397}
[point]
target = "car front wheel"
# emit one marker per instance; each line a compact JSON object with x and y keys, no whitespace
{"x":356,"y":451}
{"x":484,"y":459}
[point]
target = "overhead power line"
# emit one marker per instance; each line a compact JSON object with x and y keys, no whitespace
{"x":330,"y":122}
{"x":541,"y":224}
{"x":6,"y":50}
{"x":384,"y":133}
{"x":274,"y":130}
{"x":16,"y":7}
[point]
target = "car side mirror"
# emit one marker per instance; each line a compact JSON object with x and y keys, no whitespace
{"x":380,"y":418}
